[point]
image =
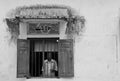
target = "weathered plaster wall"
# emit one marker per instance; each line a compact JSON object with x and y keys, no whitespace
{"x":96,"y":52}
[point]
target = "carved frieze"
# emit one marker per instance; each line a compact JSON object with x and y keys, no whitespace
{"x":43,"y":28}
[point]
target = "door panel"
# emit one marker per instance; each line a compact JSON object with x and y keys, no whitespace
{"x":22,"y":58}
{"x":66,"y":65}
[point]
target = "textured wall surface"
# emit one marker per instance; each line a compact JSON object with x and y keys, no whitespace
{"x":96,"y":57}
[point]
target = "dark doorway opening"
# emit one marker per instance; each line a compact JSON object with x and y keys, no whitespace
{"x":39,"y":49}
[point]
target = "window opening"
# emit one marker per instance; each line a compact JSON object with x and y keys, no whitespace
{"x":39,"y":50}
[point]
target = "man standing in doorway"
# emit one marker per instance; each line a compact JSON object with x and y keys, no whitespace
{"x":49,"y":66}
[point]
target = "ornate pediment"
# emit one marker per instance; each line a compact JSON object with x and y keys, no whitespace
{"x":43,"y":28}
{"x":75,"y":23}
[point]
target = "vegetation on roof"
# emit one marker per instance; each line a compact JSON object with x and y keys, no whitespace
{"x":75,"y":23}
{"x":45,"y":11}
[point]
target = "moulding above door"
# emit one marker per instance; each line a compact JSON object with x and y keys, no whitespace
{"x":42,"y":28}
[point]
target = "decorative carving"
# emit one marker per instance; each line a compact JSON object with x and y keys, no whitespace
{"x":43,"y":28}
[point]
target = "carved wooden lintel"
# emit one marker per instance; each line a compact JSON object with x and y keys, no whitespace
{"x":43,"y":28}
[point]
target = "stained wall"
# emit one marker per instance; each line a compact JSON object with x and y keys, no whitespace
{"x":96,"y":57}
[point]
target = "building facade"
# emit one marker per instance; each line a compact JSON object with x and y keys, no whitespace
{"x":96,"y":55}
{"x":44,"y":30}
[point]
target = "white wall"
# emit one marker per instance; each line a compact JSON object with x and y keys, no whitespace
{"x":96,"y":51}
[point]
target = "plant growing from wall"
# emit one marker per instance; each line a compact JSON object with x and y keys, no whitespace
{"x":75,"y":23}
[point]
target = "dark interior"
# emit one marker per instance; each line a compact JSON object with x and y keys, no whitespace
{"x":37,"y":57}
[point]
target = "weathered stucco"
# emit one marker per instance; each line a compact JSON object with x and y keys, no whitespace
{"x":96,"y":57}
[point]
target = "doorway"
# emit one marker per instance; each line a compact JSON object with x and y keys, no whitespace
{"x":39,"y":49}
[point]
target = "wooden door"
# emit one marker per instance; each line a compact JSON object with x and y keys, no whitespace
{"x":66,"y":65}
{"x":22,"y":58}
